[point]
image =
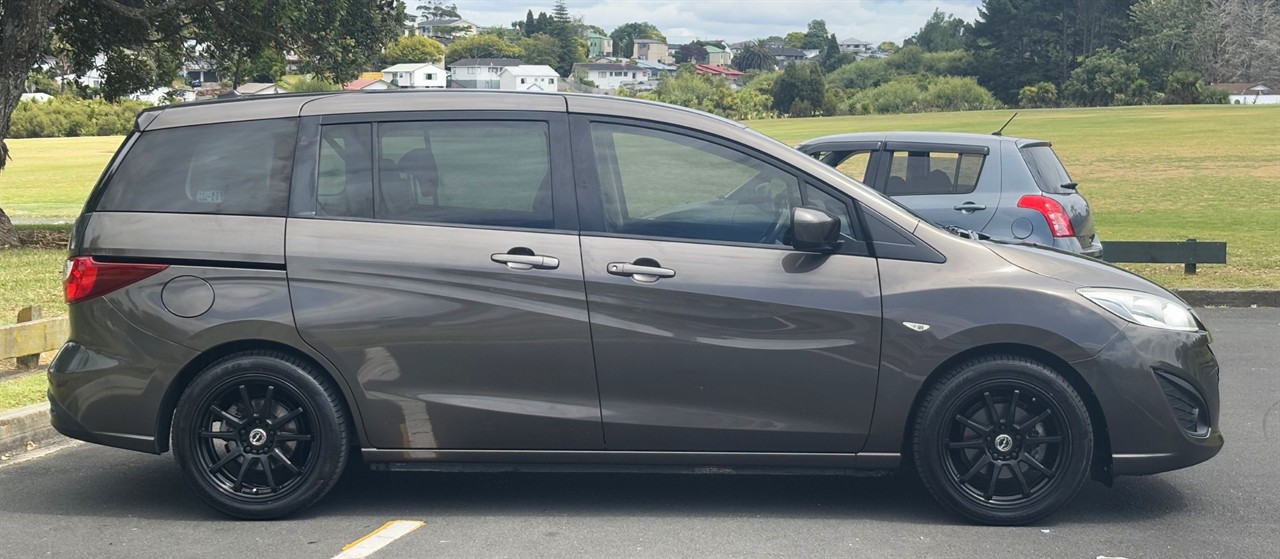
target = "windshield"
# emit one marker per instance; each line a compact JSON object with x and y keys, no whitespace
{"x":1047,"y":170}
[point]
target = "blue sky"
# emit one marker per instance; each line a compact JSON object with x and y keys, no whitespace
{"x":735,"y":20}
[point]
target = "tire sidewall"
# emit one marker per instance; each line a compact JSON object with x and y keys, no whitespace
{"x":330,"y":439}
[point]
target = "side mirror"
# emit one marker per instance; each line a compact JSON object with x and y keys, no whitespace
{"x":814,"y":230}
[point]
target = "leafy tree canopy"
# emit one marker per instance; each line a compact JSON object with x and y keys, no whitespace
{"x":414,"y":48}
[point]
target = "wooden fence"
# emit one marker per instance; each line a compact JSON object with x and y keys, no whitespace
{"x":31,"y":336}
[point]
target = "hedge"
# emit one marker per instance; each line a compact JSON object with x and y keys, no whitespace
{"x":72,"y":116}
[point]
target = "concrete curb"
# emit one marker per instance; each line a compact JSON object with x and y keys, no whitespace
{"x":1230,"y":297}
{"x":25,"y":429}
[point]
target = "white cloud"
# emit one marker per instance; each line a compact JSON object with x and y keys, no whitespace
{"x":736,"y":20}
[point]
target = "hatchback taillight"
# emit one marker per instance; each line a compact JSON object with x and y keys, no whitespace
{"x":1059,"y":221}
{"x":86,"y":278}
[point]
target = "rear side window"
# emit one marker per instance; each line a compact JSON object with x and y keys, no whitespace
{"x":914,"y":173}
{"x":1047,"y":170}
{"x":238,"y":168}
{"x":855,"y":166}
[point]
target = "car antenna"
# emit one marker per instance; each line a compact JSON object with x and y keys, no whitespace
{"x":1000,"y":132}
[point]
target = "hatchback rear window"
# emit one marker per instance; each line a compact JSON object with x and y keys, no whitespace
{"x":239,"y":168}
{"x":1047,"y":170}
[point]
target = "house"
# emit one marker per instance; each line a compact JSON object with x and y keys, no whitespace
{"x":200,"y":71}
{"x":479,"y":73}
{"x":717,"y":56}
{"x":738,"y":47}
{"x":656,"y":69}
{"x":599,"y":45}
{"x":415,"y":75}
{"x":37,"y":97}
{"x":855,"y":46}
{"x":529,"y":77}
{"x":448,"y":27}
{"x":611,"y":76}
{"x":1249,"y":93}
{"x":718,"y":70}
{"x":650,"y":49}
{"x":260,"y":89}
{"x":786,"y":55}
{"x":368,"y":84}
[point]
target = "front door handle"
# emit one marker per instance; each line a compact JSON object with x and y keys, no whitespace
{"x":970,"y":207}
{"x":518,"y":261}
{"x":641,"y":272}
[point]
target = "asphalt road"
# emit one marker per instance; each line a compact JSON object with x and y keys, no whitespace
{"x":88,"y":501}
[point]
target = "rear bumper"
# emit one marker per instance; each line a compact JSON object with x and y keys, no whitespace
{"x":1144,"y":429}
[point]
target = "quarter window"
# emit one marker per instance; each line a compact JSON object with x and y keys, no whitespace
{"x":239,"y":168}
{"x":661,"y":184}
{"x":921,"y":172}
{"x":344,"y":183}
{"x":855,"y":166}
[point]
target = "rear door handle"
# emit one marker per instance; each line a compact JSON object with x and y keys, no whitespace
{"x":526,"y":261}
{"x":970,"y":207}
{"x":639,"y":272}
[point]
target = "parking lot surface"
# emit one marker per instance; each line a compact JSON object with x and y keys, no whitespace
{"x":89,"y":501}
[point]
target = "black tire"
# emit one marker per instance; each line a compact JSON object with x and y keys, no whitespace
{"x":1003,"y":440}
{"x":260,"y":435}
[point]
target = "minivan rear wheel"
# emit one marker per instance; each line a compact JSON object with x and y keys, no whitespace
{"x":260,"y":435}
{"x":1003,"y":440}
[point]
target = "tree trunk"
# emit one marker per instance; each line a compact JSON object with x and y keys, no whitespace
{"x":23,"y":24}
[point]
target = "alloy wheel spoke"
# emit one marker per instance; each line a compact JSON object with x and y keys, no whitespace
{"x":972,"y":425}
{"x":284,"y":461}
{"x":286,"y":417}
{"x":977,"y":467}
{"x":1022,"y":480}
{"x":1013,"y":407}
{"x":293,"y":437}
{"x":245,"y":402}
{"x":991,"y":408}
{"x":267,"y":400}
{"x":1031,"y":461}
{"x":227,"y":416}
{"x":244,"y":469}
{"x":1033,"y":421}
{"x":975,"y":443}
{"x":995,"y":478}
{"x":223,"y":435}
{"x":1042,"y":440}
{"x":266,"y":470}
{"x":226,"y":459}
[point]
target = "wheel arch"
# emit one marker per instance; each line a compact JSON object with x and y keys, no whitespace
{"x":188,"y":373}
{"x":1101,"y":468}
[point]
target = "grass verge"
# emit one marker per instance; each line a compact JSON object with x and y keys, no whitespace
{"x":23,"y":391}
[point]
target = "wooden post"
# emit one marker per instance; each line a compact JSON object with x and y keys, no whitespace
{"x":27,"y":315}
{"x":1189,"y":267}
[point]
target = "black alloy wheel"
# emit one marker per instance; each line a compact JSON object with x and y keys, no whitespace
{"x":260,"y":435}
{"x":1003,"y":440}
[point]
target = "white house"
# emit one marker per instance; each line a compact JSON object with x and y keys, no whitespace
{"x":368,"y":84}
{"x":260,"y":89}
{"x":1249,"y":93}
{"x":855,"y":46}
{"x":450,"y":27}
{"x":415,"y":75}
{"x":529,"y":77}
{"x":480,"y":73}
{"x":609,"y":77}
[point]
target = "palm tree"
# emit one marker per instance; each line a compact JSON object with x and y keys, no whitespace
{"x":755,"y":56}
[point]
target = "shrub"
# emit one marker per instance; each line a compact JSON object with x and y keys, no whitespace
{"x":863,"y":74}
{"x":1042,"y":95}
{"x":1215,"y":96}
{"x":957,"y":94}
{"x":898,"y":96}
{"x":68,"y":115}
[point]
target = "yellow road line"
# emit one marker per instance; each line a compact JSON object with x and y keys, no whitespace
{"x":378,"y":539}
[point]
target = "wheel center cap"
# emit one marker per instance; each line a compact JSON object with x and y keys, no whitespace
{"x":1004,"y":443}
{"x":258,"y":437}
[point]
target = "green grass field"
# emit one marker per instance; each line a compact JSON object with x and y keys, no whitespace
{"x":1151,"y":173}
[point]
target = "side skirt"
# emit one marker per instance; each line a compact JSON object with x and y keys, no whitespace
{"x":797,"y":463}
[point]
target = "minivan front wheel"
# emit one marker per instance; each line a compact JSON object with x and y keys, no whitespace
{"x":1003,"y":440}
{"x":260,"y":435}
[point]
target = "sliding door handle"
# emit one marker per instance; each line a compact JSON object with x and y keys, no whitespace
{"x":640,"y":272}
{"x":526,"y":261}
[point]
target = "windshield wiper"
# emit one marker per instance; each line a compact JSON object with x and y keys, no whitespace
{"x":965,"y":233}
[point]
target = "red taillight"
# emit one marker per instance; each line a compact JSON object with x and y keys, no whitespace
{"x":87,"y":278}
{"x":1059,"y":221}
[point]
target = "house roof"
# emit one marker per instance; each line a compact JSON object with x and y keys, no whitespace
{"x":252,"y":88}
{"x":652,"y":65}
{"x":854,"y":41}
{"x":532,"y":71}
{"x":712,"y":49}
{"x":1244,"y":88}
{"x":716,"y":70}
{"x":785,"y":51}
{"x":650,"y":41}
{"x":594,"y":35}
{"x":607,"y":67}
{"x":445,"y":21}
{"x":363,"y":83}
{"x":410,"y":67}
{"x":486,"y":62}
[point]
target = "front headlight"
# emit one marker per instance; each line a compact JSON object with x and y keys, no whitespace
{"x":1143,"y":308}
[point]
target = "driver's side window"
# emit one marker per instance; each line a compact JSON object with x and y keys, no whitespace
{"x":661,"y":184}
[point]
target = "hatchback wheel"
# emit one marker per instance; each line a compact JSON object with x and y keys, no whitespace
{"x":1003,"y":440}
{"x":260,"y":435}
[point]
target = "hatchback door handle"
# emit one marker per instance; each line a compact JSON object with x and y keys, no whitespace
{"x":526,"y":261}
{"x":970,"y":207}
{"x":640,"y":272}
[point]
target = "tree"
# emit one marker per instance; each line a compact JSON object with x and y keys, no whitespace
{"x":692,"y":53}
{"x":1039,"y":96}
{"x":1173,"y":36}
{"x":540,"y":49}
{"x":414,"y":48}
{"x":831,"y":57}
{"x":1104,"y":79}
{"x":799,"y":90}
{"x":145,"y":41}
{"x":816,"y":36}
{"x":942,"y":32}
{"x":480,"y":46}
{"x":437,"y":9}
{"x":888,"y":47}
{"x":1250,"y":35}
{"x":754,"y":56}
{"x":794,"y":40}
{"x":624,"y":37}
{"x":530,"y":25}
{"x":572,"y":48}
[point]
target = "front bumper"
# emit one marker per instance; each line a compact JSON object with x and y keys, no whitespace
{"x":1148,"y":429}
